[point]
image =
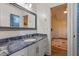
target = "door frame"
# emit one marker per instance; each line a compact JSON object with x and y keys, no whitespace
{"x":75,"y":29}
{"x":70,"y":32}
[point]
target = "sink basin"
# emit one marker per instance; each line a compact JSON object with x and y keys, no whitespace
{"x":30,"y":40}
{"x":19,"y":44}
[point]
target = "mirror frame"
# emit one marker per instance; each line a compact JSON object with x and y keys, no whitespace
{"x":21,"y":28}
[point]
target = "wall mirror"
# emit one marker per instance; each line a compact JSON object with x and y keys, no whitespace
{"x":14,"y":16}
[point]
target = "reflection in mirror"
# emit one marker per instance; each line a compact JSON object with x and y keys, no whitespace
{"x":14,"y":17}
{"x":14,"y":20}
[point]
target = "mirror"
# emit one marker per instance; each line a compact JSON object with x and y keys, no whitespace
{"x":15,"y":16}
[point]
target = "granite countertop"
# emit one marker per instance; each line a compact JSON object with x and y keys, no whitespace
{"x":11,"y":45}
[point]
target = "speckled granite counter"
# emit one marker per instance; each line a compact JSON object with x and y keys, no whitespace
{"x":11,"y":45}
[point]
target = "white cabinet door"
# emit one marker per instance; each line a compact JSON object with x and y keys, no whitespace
{"x":43,"y":47}
{"x":46,"y":46}
{"x":22,"y":52}
{"x":31,"y":50}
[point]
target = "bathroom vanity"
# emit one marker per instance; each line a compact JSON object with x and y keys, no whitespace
{"x":28,"y":45}
{"x":19,"y":18}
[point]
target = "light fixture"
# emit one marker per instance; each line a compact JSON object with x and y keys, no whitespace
{"x":65,"y":11}
{"x":29,"y":5}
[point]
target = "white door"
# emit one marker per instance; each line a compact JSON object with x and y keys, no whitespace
{"x":72,"y":29}
{"x":76,"y":29}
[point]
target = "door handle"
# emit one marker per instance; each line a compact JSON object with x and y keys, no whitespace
{"x":51,"y":29}
{"x":73,"y":36}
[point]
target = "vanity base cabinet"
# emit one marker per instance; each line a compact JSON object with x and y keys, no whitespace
{"x":40,"y":48}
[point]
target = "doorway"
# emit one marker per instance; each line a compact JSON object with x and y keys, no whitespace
{"x":59,"y":30}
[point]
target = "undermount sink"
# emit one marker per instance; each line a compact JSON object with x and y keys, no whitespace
{"x":30,"y":40}
{"x":18,"y":44}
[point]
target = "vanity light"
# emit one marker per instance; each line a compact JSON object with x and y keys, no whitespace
{"x":29,"y":5}
{"x":65,"y":12}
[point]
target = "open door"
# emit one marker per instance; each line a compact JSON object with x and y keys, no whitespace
{"x":59,"y":30}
